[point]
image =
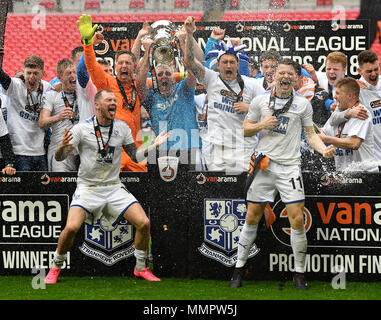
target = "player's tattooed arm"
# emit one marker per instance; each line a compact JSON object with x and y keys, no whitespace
{"x":132,"y":151}
{"x":191,"y":62}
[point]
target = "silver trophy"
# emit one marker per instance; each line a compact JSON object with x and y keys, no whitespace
{"x":163,"y":32}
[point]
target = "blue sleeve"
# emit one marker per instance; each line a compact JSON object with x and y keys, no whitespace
{"x":208,"y":47}
{"x":244,"y":68}
{"x":305,"y":73}
{"x":53,"y":81}
{"x":328,"y":103}
{"x":82,"y":73}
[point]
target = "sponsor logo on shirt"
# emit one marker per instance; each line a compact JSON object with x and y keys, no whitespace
{"x":108,"y":156}
{"x":282,"y":125}
{"x":376,"y":115}
{"x":375,"y":104}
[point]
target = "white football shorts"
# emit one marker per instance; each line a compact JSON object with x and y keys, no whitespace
{"x":287,"y":180}
{"x":111,"y":201}
{"x":224,"y":158}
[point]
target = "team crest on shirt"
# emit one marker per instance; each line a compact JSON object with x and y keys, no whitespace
{"x":107,"y":243}
{"x":223,"y":221}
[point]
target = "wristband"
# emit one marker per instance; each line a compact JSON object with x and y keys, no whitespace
{"x":87,"y":41}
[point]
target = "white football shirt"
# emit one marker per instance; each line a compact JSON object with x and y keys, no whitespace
{"x":371,"y":99}
{"x":95,"y":170}
{"x":26,"y":136}
{"x":85,"y":97}
{"x":224,"y":124}
{"x":54,"y":102}
{"x":354,"y":160}
{"x":281,"y":144}
{"x":202,"y":127}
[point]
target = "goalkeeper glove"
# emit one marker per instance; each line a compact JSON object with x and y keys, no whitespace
{"x":86,"y":28}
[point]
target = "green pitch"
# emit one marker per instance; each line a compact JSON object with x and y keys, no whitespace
{"x":116,"y":288}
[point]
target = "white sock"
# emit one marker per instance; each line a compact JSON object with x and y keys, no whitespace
{"x":246,"y":238}
{"x":141,"y":257}
{"x":299,"y":248}
{"x":58,"y":260}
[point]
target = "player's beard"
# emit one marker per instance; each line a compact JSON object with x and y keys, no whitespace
{"x":108,"y":113}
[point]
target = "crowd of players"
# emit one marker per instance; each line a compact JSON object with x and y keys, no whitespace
{"x":206,"y":126}
{"x":270,"y":121}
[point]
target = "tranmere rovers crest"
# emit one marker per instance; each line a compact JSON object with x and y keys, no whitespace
{"x":102,"y":238}
{"x":223,"y":221}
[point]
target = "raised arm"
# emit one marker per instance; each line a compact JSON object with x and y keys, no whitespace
{"x":82,"y":73}
{"x":191,"y":62}
{"x":143,"y":69}
{"x":181,"y":35}
{"x":191,"y":80}
{"x":145,"y":30}
{"x":311,"y":71}
{"x":5,"y":79}
{"x":97,"y":74}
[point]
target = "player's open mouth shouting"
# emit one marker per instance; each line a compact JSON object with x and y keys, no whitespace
{"x":112,"y":110}
{"x":73,"y":83}
{"x":124,"y":74}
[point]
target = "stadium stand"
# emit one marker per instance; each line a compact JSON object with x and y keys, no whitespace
{"x":91,"y":5}
{"x":49,"y":5}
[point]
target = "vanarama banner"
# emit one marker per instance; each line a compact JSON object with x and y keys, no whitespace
{"x":196,"y":219}
{"x":302,"y":41}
